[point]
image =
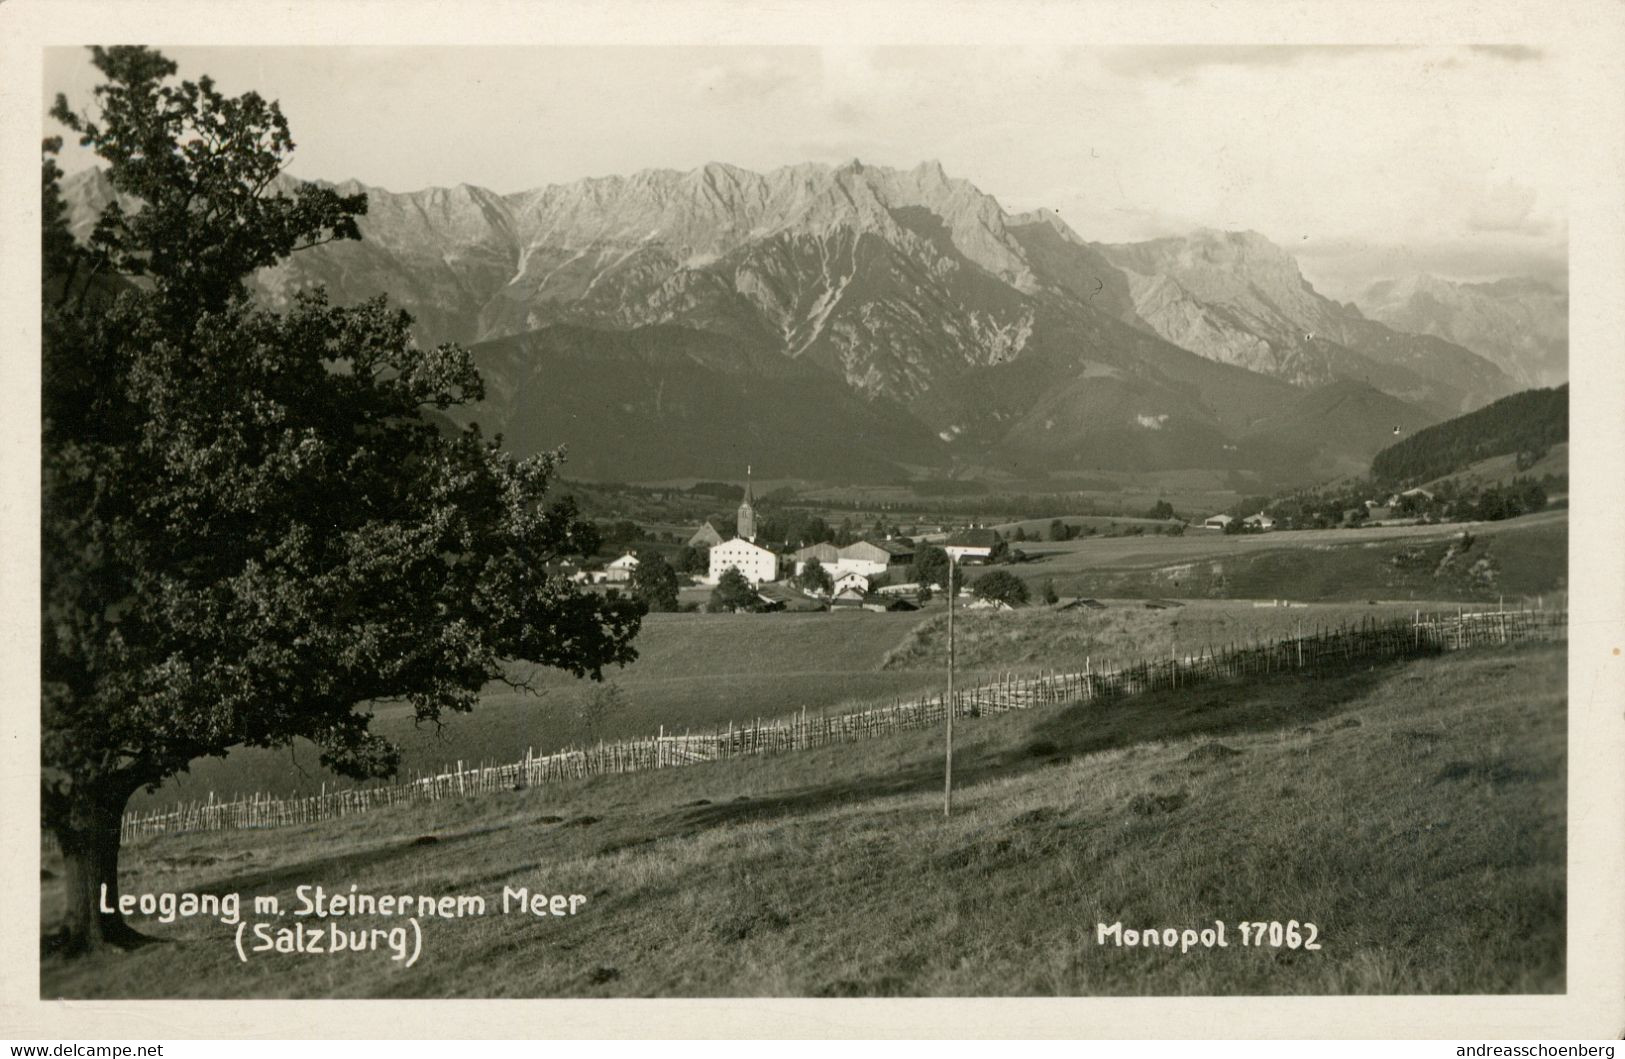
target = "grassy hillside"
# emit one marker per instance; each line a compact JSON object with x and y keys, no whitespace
{"x":1037,"y":529}
{"x":1503,"y":470}
{"x":693,"y":670}
{"x":1330,"y":431}
{"x":1126,"y":630}
{"x":666,"y":401}
{"x":1414,"y":813}
{"x":1525,"y":556}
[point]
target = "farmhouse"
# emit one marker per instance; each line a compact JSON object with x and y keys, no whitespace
{"x":1410,"y":501}
{"x":823,"y":553}
{"x":621,"y":569}
{"x":856,"y":582}
{"x":757,"y":564}
{"x":1217,"y":522}
{"x":862,"y":557}
{"x":1260,"y":522}
{"x":898,"y":554}
{"x":848,"y":600}
{"x":972,"y":545}
{"x":782,"y":597}
{"x":858,"y":557}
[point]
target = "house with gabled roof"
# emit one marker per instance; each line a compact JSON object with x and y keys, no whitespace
{"x":705,"y":537}
{"x":972,"y":545}
{"x":621,"y":569}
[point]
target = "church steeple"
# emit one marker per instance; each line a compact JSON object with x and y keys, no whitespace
{"x":747,"y":513}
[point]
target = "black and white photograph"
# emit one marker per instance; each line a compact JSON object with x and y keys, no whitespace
{"x":1011,"y":513}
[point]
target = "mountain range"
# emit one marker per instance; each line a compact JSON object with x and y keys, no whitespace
{"x":1520,"y":324}
{"x":857,"y":321}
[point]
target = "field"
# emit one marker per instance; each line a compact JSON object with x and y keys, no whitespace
{"x":1125,"y":631}
{"x":1189,"y":491}
{"x":696,"y":671}
{"x":1526,"y":556}
{"x":1502,"y":470}
{"x":693,"y":671}
{"x":1414,"y":813}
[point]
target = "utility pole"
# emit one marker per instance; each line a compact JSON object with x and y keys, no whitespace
{"x":948,"y":757}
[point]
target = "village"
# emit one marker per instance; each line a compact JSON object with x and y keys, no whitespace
{"x":881,"y":575}
{"x":756,"y":565}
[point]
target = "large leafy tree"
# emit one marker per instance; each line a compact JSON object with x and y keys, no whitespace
{"x":734,"y":592}
{"x":254,"y":523}
{"x":655,"y":582}
{"x":1001,"y":586}
{"x":814,"y":578}
{"x":930,"y":566}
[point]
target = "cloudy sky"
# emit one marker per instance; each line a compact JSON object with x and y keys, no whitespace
{"x":1363,"y":161}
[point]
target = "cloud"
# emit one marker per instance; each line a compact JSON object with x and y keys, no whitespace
{"x":756,"y":78}
{"x":1344,"y":268}
{"x":1178,"y":60}
{"x":1505,"y":207}
{"x":1512,"y":53}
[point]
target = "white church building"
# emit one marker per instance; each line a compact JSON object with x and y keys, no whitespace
{"x":758,"y":564}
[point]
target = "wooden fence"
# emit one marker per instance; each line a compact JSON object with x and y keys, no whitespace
{"x":1367,"y":641}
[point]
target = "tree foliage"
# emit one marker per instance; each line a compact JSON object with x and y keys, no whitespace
{"x":250,"y":529}
{"x":930,"y":566}
{"x":655,"y":582}
{"x":1001,"y":586}
{"x":734,"y":592}
{"x":814,"y":578}
{"x":692,"y":560}
{"x":1524,"y":425}
{"x":597,"y":707}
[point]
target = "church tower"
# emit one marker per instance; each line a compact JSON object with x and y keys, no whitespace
{"x":747,"y":513}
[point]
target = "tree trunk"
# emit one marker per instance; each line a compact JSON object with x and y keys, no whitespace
{"x":89,"y":839}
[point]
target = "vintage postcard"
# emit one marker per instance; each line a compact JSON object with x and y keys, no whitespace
{"x":983,"y":502}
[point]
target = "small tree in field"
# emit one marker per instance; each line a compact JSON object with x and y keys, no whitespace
{"x":598,"y":705}
{"x":250,"y":530}
{"x":655,"y":582}
{"x":1001,"y":586}
{"x":1050,"y":595}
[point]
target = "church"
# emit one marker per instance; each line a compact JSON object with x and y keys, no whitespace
{"x":758,"y":564}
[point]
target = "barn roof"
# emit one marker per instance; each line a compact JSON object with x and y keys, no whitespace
{"x":979,"y":537}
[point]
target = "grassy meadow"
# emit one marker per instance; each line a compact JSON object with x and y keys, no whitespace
{"x":1414,"y":813}
{"x":1526,"y":556}
{"x":698,"y":671}
{"x":1125,"y":631}
{"x":693,"y":671}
